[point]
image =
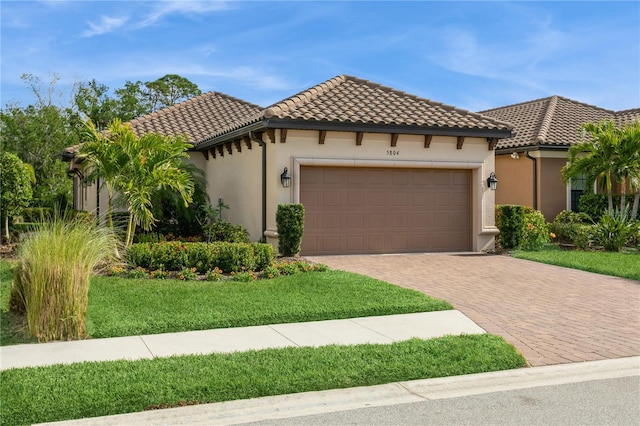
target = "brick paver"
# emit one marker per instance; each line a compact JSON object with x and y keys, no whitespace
{"x":552,"y":315}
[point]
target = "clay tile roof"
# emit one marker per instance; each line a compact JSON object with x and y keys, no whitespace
{"x":197,"y":118}
{"x":627,"y":116}
{"x":350,"y":100}
{"x":552,"y":121}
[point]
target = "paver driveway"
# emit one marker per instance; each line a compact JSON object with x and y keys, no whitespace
{"x":552,"y":315}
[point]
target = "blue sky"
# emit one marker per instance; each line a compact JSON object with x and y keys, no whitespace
{"x":473,"y":55}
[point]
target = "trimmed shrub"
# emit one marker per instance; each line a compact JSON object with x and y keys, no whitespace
{"x":290,"y":222}
{"x":510,"y":221}
{"x":176,"y":256}
{"x":270,"y":272}
{"x":171,"y":256}
{"x":567,"y":225}
{"x":234,"y":257}
{"x":535,"y":233}
{"x":263,"y":255}
{"x":139,"y":255}
{"x":221,"y":230}
{"x":582,"y":235}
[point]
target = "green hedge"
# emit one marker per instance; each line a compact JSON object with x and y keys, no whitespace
{"x":290,"y":222}
{"x":596,"y":205}
{"x":176,"y":256}
{"x":510,"y":220}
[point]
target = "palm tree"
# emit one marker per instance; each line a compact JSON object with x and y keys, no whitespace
{"x":137,"y":168}
{"x":595,"y":158}
{"x":105,"y":159}
{"x":629,"y":162}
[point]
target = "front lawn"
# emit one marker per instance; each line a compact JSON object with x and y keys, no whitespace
{"x":622,"y":264}
{"x":59,"y":392}
{"x":125,"y":307}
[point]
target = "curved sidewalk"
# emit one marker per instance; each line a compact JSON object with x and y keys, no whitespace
{"x":380,"y":329}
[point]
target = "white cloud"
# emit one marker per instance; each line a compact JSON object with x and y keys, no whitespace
{"x":106,"y":25}
{"x":165,"y":8}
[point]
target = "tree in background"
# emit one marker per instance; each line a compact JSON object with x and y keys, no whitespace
{"x":147,"y":165}
{"x":37,"y":134}
{"x":93,"y":100}
{"x":133,"y":100}
{"x":15,"y":188}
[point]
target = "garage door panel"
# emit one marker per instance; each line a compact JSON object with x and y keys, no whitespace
{"x":377,"y":198}
{"x":330,"y":244}
{"x":355,"y":221}
{"x":376,"y":220}
{"x":355,"y":243}
{"x":356,"y":176}
{"x":399,"y":199}
{"x":377,"y":210}
{"x":442,"y":178}
{"x":377,"y":176}
{"x":460,"y":178}
{"x":309,"y":197}
{"x":376,"y":244}
{"x":331,"y":199}
{"x":331,"y":221}
{"x":399,"y":178}
{"x":355,"y":198}
{"x":331,"y":176}
{"x":400,"y":220}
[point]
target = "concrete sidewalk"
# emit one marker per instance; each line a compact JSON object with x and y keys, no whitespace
{"x":381,"y":329}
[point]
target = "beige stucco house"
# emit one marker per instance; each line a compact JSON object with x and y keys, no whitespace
{"x":378,"y":170}
{"x":528,"y":164}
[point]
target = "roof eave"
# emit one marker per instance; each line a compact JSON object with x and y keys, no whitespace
{"x":387,"y":128}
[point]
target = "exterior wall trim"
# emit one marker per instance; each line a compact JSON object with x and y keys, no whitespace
{"x":478,"y":184}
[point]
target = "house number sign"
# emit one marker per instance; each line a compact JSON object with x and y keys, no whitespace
{"x":393,"y":152}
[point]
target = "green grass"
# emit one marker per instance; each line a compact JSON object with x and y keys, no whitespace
{"x":13,"y":327}
{"x":45,"y":394}
{"x":622,"y":264}
{"x":125,"y":307}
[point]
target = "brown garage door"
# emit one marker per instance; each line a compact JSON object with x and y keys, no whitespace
{"x":351,"y":210}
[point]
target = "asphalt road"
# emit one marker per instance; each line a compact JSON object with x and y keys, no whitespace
{"x":598,"y":402}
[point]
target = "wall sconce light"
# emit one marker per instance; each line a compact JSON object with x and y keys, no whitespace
{"x":515,"y":155}
{"x":492,"y":181}
{"x":285,"y":178}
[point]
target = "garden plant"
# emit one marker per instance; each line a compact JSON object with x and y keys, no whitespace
{"x":52,"y":276}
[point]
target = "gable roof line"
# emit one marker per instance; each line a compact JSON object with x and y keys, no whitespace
{"x":545,"y":125}
{"x":289,"y":104}
{"x":184,"y":104}
{"x":558,"y":97}
{"x":288,"y":108}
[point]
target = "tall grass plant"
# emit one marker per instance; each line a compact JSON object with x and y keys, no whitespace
{"x":52,"y":275}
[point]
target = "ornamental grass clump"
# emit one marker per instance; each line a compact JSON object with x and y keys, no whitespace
{"x":51,"y":278}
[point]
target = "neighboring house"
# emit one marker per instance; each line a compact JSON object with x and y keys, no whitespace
{"x":378,"y":170}
{"x":528,"y":164}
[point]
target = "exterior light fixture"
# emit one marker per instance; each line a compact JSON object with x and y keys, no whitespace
{"x":492,"y":181}
{"x":285,"y":178}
